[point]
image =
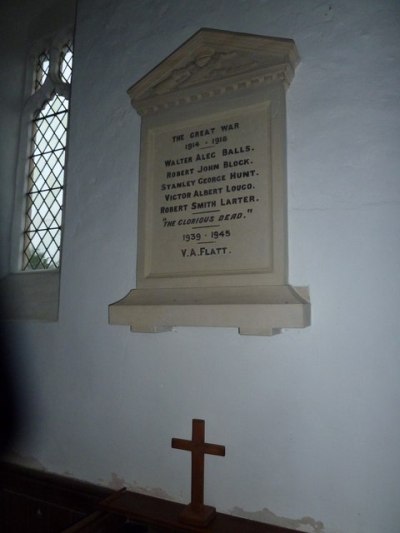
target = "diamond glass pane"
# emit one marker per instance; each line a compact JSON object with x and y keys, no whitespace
{"x":45,"y":210}
{"x":42,"y":249}
{"x":66,"y":62}
{"x":46,"y":170}
{"x":44,"y":199}
{"x":41,"y":70}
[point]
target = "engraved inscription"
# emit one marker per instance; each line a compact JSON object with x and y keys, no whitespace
{"x":211,"y":191}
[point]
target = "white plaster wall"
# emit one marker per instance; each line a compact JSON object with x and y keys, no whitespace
{"x":12,"y":85}
{"x":310,"y":418}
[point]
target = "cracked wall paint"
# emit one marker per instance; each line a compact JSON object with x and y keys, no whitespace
{"x":24,"y":460}
{"x":117,"y":483}
{"x":305,"y":524}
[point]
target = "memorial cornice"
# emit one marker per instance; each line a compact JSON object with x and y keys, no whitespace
{"x":212,"y":63}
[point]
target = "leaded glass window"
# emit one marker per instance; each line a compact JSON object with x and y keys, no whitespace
{"x":45,"y":180}
{"x":41,"y":70}
{"x":65,"y":68}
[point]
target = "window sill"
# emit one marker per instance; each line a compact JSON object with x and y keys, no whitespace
{"x":30,"y":295}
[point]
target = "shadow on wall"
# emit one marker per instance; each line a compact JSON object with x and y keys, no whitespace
{"x":10,"y":408}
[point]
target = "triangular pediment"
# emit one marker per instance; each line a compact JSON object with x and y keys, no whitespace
{"x":215,"y":58}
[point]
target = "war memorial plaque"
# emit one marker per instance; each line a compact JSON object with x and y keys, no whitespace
{"x":211,"y":192}
{"x":212,"y":243}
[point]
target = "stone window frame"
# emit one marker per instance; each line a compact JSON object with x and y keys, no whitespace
{"x":44,"y":190}
{"x":33,"y":294}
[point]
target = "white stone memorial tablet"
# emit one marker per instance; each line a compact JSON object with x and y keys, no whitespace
{"x":212,"y":202}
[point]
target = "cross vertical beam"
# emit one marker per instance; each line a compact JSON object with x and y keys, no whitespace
{"x":196,"y":513}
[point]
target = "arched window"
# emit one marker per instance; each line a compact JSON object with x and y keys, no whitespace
{"x":44,"y":196}
{"x":36,"y":78}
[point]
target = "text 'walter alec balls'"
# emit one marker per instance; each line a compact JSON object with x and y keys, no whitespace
{"x":212,"y":242}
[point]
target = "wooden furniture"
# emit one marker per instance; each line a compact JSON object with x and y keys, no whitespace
{"x":38,"y":502}
{"x":33,"y":501}
{"x":100,"y":522}
{"x":163,"y":516}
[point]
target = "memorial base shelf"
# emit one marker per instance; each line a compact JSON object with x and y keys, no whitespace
{"x":254,"y":310}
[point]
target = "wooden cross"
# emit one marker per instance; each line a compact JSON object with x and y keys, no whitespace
{"x":196,"y":513}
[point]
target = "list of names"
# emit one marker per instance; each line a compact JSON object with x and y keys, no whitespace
{"x":211,"y":195}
